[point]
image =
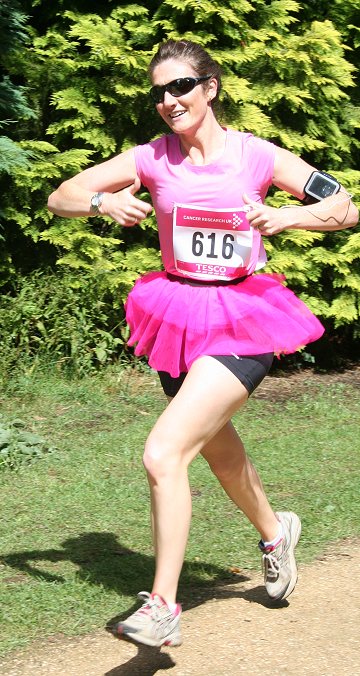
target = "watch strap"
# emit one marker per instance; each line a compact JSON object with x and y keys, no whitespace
{"x":96,"y":202}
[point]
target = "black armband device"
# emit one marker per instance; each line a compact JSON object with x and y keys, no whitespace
{"x":319,"y":186}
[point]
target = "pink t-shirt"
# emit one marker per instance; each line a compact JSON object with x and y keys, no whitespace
{"x":247,"y":166}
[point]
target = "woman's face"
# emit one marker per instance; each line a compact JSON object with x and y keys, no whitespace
{"x":183,"y":114}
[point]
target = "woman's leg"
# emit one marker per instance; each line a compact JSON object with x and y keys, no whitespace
{"x":280,"y":533}
{"x":198,"y":420}
{"x":227,"y":459}
{"x":198,"y":414}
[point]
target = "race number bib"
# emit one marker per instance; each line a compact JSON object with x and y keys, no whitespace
{"x":211,"y":244}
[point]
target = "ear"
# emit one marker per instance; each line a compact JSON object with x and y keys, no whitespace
{"x":212,"y":89}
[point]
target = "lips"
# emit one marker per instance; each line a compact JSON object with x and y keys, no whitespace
{"x":173,"y":116}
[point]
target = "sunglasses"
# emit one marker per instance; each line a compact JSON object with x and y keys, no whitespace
{"x":178,"y":87}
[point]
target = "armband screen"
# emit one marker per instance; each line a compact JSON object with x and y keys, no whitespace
{"x":319,"y":186}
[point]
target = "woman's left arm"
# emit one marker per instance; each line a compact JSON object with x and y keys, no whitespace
{"x":291,"y":173}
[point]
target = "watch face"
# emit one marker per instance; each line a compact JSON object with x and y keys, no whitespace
{"x":96,"y":201}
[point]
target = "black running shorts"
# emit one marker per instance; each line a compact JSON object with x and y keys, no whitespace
{"x":250,"y":370}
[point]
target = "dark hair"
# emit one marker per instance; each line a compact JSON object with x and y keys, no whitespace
{"x":194,"y":54}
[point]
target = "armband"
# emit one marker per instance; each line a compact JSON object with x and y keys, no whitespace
{"x":319,"y":186}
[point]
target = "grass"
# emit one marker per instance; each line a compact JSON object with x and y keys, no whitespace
{"x":75,"y":543}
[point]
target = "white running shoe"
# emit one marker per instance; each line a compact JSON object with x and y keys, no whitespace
{"x":153,"y":624}
{"x":280,"y":570}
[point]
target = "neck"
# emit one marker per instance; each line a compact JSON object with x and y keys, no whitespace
{"x":206,"y":145}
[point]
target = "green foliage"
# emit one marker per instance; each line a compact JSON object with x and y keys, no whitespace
{"x":12,"y":155}
{"x":25,"y":215}
{"x":63,"y":319}
{"x":18,"y":446}
{"x":289,"y":76}
{"x":12,"y":28}
{"x":13,"y":102}
{"x":29,"y":210}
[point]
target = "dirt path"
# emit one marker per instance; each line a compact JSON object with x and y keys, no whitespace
{"x":317,"y":632}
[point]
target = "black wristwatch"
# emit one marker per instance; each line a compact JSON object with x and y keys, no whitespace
{"x":96,"y":202}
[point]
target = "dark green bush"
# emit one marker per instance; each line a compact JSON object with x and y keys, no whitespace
{"x":60,"y":318}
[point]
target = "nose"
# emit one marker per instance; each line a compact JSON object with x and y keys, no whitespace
{"x":169,"y":99}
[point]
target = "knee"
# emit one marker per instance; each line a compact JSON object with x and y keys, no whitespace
{"x":160,"y":458}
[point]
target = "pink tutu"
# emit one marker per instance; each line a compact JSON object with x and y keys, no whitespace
{"x":174,"y":323}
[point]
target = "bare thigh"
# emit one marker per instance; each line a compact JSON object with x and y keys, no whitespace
{"x":208,"y":398}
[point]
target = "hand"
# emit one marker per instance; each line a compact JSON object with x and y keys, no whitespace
{"x":268,"y":220}
{"x":124,"y":207}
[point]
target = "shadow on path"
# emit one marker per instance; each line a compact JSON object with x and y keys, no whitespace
{"x":147,"y":662}
{"x":102,"y":560}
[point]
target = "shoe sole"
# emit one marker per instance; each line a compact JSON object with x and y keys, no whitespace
{"x":147,"y":641}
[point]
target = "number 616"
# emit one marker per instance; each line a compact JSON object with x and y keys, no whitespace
{"x":199,"y":242}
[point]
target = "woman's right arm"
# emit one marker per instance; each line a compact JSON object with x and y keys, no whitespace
{"x":116,"y":178}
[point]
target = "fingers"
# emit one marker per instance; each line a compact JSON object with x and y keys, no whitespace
{"x":253,"y":211}
{"x":249,"y":203}
{"x":258,"y":219}
{"x":268,"y":220}
{"x":135,"y":186}
{"x":132,"y":212}
{"x":260,"y":216}
{"x":137,"y":209}
{"x":124,"y":207}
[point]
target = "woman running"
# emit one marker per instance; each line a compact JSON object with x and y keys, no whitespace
{"x":207,"y":323}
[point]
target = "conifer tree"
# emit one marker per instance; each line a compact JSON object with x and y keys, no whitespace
{"x":287,"y":77}
{"x":13,"y":108}
{"x":13,"y":103}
